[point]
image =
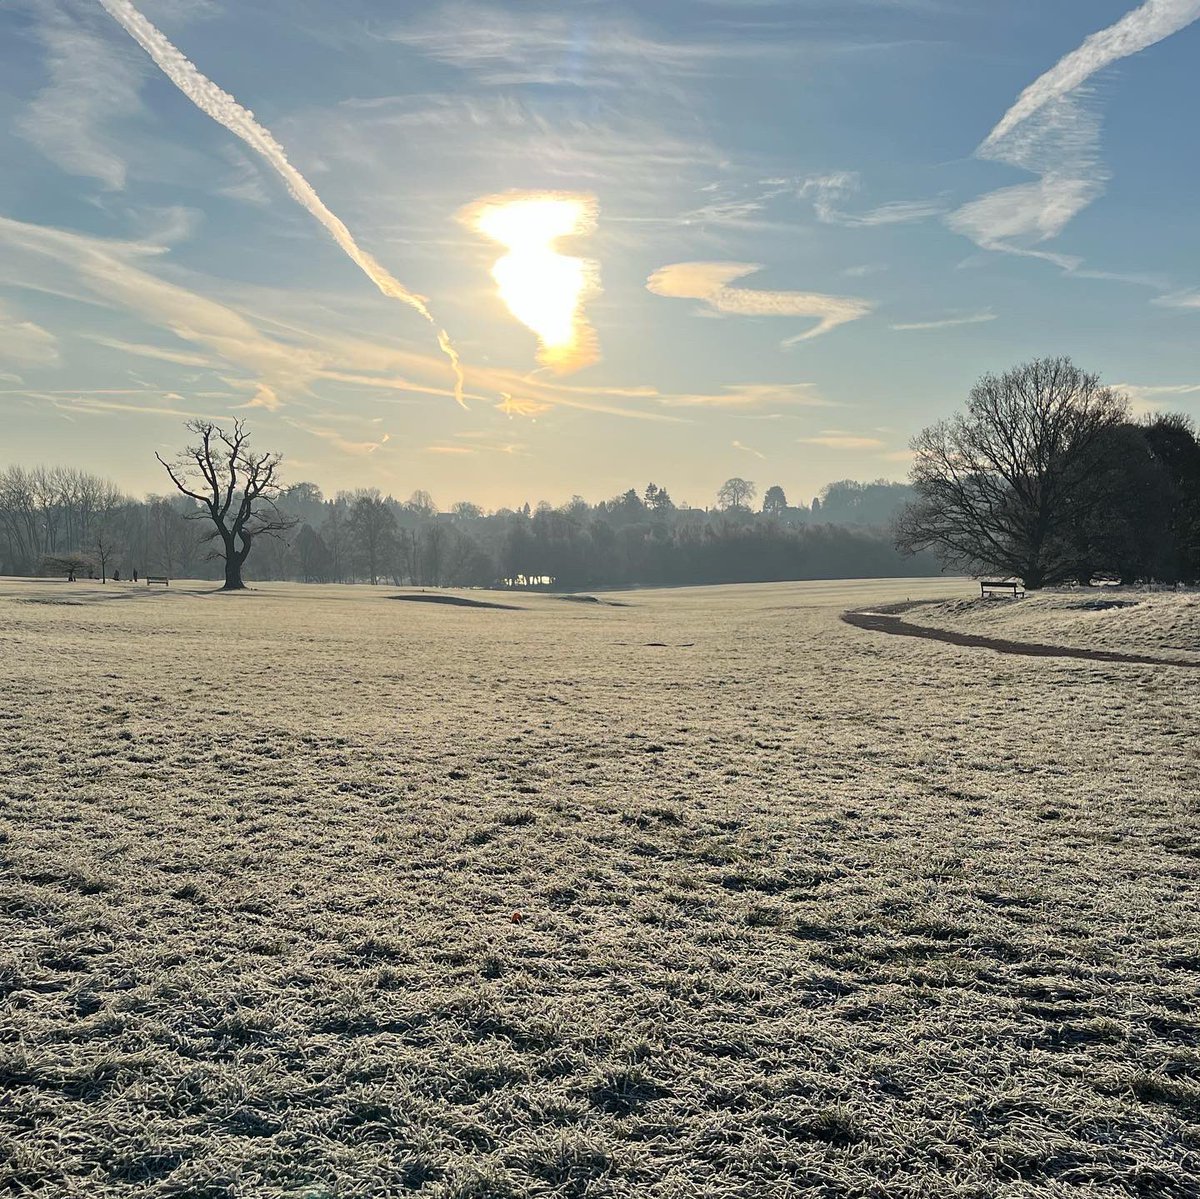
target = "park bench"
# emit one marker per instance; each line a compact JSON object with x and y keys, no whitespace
{"x":989,"y":585}
{"x":162,"y":580}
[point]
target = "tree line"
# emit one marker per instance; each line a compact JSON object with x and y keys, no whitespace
{"x":1045,"y":477}
{"x":231,"y":517}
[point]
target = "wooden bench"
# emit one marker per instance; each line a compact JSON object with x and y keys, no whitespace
{"x":161,"y":580}
{"x":989,"y":585}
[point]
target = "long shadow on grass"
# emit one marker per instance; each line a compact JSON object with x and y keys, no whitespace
{"x":457,"y":601}
{"x":887,"y":620}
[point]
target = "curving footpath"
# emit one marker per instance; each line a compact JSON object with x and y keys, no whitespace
{"x":887,"y":620}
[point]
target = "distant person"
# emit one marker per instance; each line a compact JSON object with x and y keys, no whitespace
{"x":71,"y":575}
{"x":135,"y":574}
{"x":117,"y":575}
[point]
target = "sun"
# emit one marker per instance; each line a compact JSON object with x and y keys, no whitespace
{"x":543,"y":289}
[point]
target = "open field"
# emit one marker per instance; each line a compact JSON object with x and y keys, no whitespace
{"x":307,"y":892}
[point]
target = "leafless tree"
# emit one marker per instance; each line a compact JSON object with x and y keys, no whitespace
{"x":168,"y":537}
{"x":1002,"y":485}
{"x":736,"y":494}
{"x":373,"y":529}
{"x":421,"y":505}
{"x":408,"y":557}
{"x":433,"y":551}
{"x":105,"y":545}
{"x":236,"y":488}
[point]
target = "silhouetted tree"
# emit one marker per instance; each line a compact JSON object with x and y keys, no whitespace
{"x":1172,"y":441}
{"x":848,"y":502}
{"x":1127,"y":532}
{"x":312,"y":555}
{"x":421,"y":504}
{"x":662,"y":504}
{"x":236,"y":488}
{"x":105,"y":545}
{"x":373,"y":530}
{"x":1003,"y":485}
{"x":775,"y":501}
{"x":735,"y":494}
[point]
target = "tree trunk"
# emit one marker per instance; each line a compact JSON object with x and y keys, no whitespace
{"x":233,"y":566}
{"x":233,"y":574}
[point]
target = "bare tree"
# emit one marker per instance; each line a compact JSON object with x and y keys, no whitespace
{"x":421,"y":504}
{"x":236,"y":487}
{"x":736,"y":494}
{"x":407,"y":557}
{"x":433,"y":552}
{"x":168,"y":537}
{"x":373,"y":530}
{"x":1002,"y":485}
{"x":105,"y":545}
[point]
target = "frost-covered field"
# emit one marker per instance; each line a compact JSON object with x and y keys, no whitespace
{"x":1126,"y":619}
{"x":803,"y":910}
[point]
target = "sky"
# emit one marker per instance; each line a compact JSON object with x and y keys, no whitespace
{"x":518,"y":250}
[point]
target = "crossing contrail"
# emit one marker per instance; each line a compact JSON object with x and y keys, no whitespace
{"x":225,"y":110}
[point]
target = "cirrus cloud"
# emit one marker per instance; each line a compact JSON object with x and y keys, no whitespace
{"x":710,"y":283}
{"x":25,"y":343}
{"x":834,"y":439}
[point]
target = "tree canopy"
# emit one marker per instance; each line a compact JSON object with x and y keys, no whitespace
{"x":1045,"y":477}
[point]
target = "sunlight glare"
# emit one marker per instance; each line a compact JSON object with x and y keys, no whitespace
{"x":543,"y":289}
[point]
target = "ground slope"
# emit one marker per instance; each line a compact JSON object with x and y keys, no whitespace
{"x":803,"y":909}
{"x":1121,"y":619}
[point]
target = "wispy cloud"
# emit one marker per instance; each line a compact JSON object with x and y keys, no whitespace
{"x":710,"y":283}
{"x":1179,"y":299}
{"x":746,"y":449}
{"x":89,"y":84}
{"x":1062,"y":147}
{"x":357,"y":449}
{"x":109,"y":275}
{"x":750,"y":395}
{"x":160,"y":353}
{"x":834,"y":439}
{"x":245,"y":181}
{"x":512,"y":405}
{"x":948,"y":322}
{"x":558,"y":47}
{"x":225,"y":110}
{"x":23,"y":343}
{"x":828,"y":191}
{"x":104,"y":402}
{"x":1051,"y":132}
{"x":289,"y":362}
{"x":1148,"y":399}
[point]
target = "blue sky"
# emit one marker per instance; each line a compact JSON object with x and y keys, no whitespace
{"x":815,"y":223}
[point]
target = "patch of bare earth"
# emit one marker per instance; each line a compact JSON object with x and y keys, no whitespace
{"x":308,"y":893}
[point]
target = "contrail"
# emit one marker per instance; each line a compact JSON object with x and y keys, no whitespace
{"x":1142,"y":27}
{"x":225,"y":110}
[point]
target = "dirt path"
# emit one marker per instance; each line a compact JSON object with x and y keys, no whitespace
{"x":887,"y":620}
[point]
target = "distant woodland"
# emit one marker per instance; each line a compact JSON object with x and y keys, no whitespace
{"x":55,"y":520}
